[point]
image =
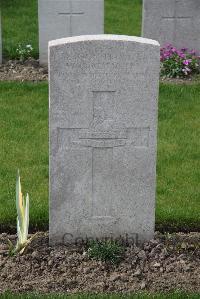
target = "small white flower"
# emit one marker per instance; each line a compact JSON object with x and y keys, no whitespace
{"x":29,"y":47}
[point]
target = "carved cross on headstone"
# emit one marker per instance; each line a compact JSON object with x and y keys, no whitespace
{"x":176,"y":18}
{"x":101,"y":138}
{"x":71,"y":14}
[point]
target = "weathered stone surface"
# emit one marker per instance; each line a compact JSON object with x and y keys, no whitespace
{"x":172,"y":21}
{"x":103,"y":122}
{"x":63,"y":18}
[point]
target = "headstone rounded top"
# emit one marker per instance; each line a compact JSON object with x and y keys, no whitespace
{"x":103,"y":37}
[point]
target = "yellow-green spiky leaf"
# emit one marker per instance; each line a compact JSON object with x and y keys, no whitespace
{"x":22,"y":216}
{"x":19,"y":201}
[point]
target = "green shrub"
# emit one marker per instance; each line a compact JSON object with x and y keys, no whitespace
{"x":24,"y":51}
{"x":107,"y":251}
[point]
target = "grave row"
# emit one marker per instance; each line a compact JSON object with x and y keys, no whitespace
{"x":167,"y":21}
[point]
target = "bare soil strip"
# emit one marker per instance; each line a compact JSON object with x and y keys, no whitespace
{"x":166,"y":263}
{"x":30,"y":70}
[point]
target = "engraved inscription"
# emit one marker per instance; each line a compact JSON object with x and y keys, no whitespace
{"x":100,"y":143}
{"x":101,"y":139}
{"x":71,"y":14}
{"x":76,"y":138}
{"x":87,"y":134}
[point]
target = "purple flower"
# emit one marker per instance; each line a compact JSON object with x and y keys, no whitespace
{"x":192,"y":52}
{"x":186,"y":62}
{"x":181,"y":55}
{"x":173,"y":50}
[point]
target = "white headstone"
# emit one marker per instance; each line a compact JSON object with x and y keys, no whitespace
{"x":172,"y":21}
{"x":103,"y":123}
{"x":64,"y":18}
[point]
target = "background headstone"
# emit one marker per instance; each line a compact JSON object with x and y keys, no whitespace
{"x":63,"y":18}
{"x":172,"y":21}
{"x":103,"y":123}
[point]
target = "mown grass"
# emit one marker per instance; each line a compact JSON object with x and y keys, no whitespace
{"x":20,"y":22}
{"x":123,"y":17}
{"x":178,"y":167}
{"x":24,"y":145}
{"x":99,"y":296}
{"x":19,"y":26}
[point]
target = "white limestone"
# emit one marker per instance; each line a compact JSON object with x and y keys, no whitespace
{"x":103,"y":132}
{"x":63,"y":18}
{"x":172,"y":21}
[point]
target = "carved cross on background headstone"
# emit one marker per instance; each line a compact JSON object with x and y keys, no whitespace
{"x":71,"y":14}
{"x":176,"y":18}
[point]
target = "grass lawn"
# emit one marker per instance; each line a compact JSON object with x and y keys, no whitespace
{"x":24,"y":145}
{"x":19,"y":25}
{"x":136,"y":296}
{"x":178,"y":167}
{"x":20,"y":22}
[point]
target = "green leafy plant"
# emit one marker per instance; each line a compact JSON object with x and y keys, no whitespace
{"x":107,"y":251}
{"x":24,"y":51}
